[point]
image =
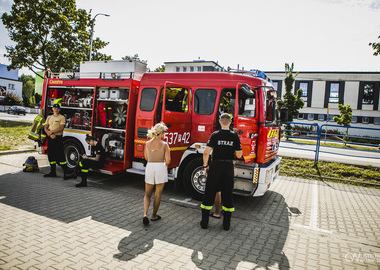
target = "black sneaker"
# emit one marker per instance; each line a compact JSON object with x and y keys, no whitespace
{"x":81,"y":184}
{"x":50,"y":174}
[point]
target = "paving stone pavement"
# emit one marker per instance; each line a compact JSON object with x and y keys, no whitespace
{"x":298,"y":224}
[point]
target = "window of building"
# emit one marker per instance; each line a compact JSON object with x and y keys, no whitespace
{"x":334,"y":93}
{"x":365,"y":120}
{"x":310,"y":117}
{"x":321,"y":117}
{"x":191,"y":69}
{"x":304,"y":87}
{"x":204,"y":101}
{"x":148,"y":98}
{"x":376,"y":120}
{"x":11,"y":86}
{"x":354,"y":119}
{"x":177,"y":69}
{"x":199,"y":69}
{"x":300,"y":116}
{"x":331,"y":118}
{"x":184,"y":69}
{"x":368,"y":93}
{"x":277,"y":85}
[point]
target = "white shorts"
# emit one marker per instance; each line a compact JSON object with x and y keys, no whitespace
{"x":156,"y":173}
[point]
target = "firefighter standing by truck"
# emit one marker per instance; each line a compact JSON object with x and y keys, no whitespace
{"x":95,"y":161}
{"x":54,"y":130}
{"x":225,"y":145}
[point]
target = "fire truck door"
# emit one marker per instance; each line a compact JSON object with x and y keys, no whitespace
{"x":246,"y":120}
{"x":176,"y":114}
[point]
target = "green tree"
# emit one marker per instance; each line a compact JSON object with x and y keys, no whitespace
{"x":376,"y":47}
{"x":345,"y":117}
{"x":28,"y":85}
{"x":49,"y":34}
{"x":131,"y":58}
{"x":11,"y":99}
{"x":160,"y":69}
{"x":291,"y":101}
{"x":37,"y":98}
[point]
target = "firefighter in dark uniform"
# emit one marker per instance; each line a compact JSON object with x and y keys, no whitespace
{"x":95,"y":161}
{"x":225,"y":146}
{"x":54,"y":126}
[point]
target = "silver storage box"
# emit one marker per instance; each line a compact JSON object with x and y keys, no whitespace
{"x":118,"y":94}
{"x":104,"y":93}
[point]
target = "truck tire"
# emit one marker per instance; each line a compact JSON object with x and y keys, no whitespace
{"x":73,"y":150}
{"x":195,"y":179}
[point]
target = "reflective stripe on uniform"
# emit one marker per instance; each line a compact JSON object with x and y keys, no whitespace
{"x":53,"y":162}
{"x":80,"y":164}
{"x":228,"y":209}
{"x":63,"y":163}
{"x":34,"y":135}
{"x":83,"y":170}
{"x":206,"y":207}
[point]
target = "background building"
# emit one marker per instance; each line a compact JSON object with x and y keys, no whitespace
{"x":324,"y":91}
{"x":9,"y":82}
{"x":193,"y":66}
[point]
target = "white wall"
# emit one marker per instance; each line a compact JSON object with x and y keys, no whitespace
{"x":17,"y":91}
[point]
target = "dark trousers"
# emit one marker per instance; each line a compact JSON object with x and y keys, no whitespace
{"x":55,"y":152}
{"x":85,"y":165}
{"x":220,"y":178}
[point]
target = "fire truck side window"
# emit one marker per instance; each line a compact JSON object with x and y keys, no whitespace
{"x":148,"y":98}
{"x":204,"y":101}
{"x":177,"y":99}
{"x":270,"y":108}
{"x":247,"y":104}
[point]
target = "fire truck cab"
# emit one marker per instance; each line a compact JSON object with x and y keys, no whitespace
{"x":190,"y":105}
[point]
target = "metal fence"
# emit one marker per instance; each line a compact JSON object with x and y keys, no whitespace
{"x":333,"y":137}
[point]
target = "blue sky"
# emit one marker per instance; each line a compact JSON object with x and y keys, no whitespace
{"x":317,"y":35}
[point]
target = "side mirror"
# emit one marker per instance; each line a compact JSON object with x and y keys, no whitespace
{"x":284,"y":112}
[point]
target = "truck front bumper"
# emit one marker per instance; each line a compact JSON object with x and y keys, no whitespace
{"x":255,"y":180}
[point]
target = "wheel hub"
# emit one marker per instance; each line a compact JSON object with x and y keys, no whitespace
{"x":199,"y":178}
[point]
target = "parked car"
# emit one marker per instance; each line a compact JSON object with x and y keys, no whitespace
{"x":16,"y":110}
{"x":2,"y":98}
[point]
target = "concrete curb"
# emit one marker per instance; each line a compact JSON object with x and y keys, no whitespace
{"x":2,"y":153}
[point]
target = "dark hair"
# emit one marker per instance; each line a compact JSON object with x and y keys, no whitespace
{"x":90,"y":138}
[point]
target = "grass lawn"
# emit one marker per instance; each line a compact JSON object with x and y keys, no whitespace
{"x":330,"y":171}
{"x":14,"y":135}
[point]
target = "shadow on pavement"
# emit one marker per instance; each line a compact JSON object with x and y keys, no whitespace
{"x":258,"y":231}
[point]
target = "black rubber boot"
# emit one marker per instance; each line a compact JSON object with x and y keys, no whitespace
{"x":205,"y":218}
{"x":227,"y":220}
{"x":83,"y":183}
{"x":66,"y":174}
{"x":52,"y":172}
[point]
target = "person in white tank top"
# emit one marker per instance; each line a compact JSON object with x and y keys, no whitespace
{"x":157,"y":154}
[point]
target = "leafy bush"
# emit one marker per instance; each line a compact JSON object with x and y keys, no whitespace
{"x":11,"y":100}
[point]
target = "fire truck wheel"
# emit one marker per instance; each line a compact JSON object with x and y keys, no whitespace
{"x":195,"y":179}
{"x":73,"y":150}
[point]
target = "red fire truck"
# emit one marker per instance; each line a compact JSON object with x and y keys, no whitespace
{"x":118,"y":108}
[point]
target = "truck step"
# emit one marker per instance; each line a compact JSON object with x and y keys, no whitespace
{"x":243,"y":179}
{"x":112,"y":168}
